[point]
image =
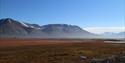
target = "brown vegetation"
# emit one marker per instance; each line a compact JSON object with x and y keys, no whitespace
{"x":56,"y":50}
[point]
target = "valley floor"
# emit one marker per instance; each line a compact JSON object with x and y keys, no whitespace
{"x":61,"y":51}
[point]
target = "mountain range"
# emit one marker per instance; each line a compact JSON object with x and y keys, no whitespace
{"x":10,"y":28}
{"x":114,"y":35}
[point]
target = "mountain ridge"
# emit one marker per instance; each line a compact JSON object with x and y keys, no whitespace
{"x":13,"y":28}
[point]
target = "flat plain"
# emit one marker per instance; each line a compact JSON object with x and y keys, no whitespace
{"x":58,"y":50}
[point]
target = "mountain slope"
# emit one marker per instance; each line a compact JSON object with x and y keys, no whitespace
{"x":13,"y":28}
{"x":64,"y":30}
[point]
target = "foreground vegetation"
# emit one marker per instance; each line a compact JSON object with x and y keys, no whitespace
{"x":60,"y":53}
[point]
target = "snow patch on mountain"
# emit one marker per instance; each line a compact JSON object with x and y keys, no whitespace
{"x":24,"y":24}
{"x":9,"y":20}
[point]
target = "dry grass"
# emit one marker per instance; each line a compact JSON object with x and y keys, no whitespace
{"x":55,"y":50}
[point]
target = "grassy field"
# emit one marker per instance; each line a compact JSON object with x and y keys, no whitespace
{"x":56,"y":50}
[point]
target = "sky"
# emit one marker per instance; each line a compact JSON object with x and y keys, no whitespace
{"x":96,"y":16}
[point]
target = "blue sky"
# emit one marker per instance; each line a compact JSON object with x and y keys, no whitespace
{"x":84,"y":13}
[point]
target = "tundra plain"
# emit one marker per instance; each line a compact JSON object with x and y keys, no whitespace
{"x":59,"y":50}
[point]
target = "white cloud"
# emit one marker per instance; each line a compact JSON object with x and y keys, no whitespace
{"x":99,"y":30}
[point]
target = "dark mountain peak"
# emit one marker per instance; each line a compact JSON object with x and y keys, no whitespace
{"x":11,"y":27}
{"x":12,"y":22}
{"x":7,"y":20}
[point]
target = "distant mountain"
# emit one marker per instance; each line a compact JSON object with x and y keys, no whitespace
{"x":122,"y":33}
{"x":114,"y":35}
{"x":12,"y":28}
{"x":69,"y":31}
